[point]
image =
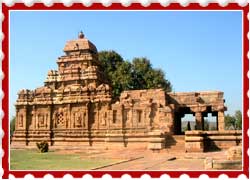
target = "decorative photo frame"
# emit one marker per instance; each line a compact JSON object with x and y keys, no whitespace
{"x":191,"y":145}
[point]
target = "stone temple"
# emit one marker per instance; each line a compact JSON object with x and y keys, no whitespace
{"x":74,"y":109}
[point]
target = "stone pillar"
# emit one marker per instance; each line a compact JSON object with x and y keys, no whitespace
{"x":99,"y":115}
{"x":84,"y":118}
{"x":17,"y":118}
{"x":129,"y":117}
{"x":221,"y":120}
{"x":87,"y":115}
{"x":148,"y":117}
{"x":220,"y":116}
{"x":54,"y":119}
{"x":132,"y":118}
{"x":69,"y":116}
{"x":49,"y":118}
{"x":124,"y":117}
{"x":120,"y":118}
{"x":199,"y":120}
{"x":198,"y":110}
{"x":108,"y":120}
{"x":36,"y":120}
{"x":25,"y":118}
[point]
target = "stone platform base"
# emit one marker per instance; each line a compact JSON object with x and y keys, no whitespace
{"x":199,"y":141}
{"x":194,"y":141}
{"x":212,"y":164}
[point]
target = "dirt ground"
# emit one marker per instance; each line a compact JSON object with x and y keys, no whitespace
{"x":139,"y":159}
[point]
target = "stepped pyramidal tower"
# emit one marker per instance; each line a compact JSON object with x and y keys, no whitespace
{"x":74,"y":109}
{"x":71,"y":102}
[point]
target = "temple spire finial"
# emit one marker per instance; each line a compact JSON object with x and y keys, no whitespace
{"x":81,"y":35}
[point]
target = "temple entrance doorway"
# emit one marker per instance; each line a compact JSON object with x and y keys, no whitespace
{"x":187,"y":123}
{"x":184,"y":120}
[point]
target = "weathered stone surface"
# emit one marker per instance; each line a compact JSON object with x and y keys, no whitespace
{"x":214,"y":164}
{"x":227,"y":164}
{"x":196,"y":141}
{"x":208,"y":163}
{"x":156,"y":140}
{"x":75,"y":107}
{"x":234,"y":153}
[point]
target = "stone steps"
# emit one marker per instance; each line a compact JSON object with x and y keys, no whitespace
{"x":175,"y":143}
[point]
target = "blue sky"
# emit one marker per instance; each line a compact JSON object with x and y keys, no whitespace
{"x":197,"y":50}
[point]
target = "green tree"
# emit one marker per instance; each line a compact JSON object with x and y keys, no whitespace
{"x":146,"y":77}
{"x":124,"y":75}
{"x":141,"y":67}
{"x":238,"y":117}
{"x":110,"y":61}
{"x":121,"y":79}
{"x":234,"y":122}
{"x":12,"y":125}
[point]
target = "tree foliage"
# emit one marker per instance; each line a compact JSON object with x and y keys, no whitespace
{"x":125,"y":75}
{"x":234,"y":122}
{"x":12,"y":125}
{"x":146,"y":77}
{"x":110,"y":60}
{"x":43,"y":146}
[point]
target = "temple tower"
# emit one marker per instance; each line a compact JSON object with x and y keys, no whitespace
{"x":79,"y":66}
{"x":74,"y":100}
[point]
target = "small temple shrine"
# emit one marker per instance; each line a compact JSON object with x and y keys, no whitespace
{"x":74,"y":109}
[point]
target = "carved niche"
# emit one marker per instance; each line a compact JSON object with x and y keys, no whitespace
{"x":20,"y":120}
{"x":42,"y":120}
{"x":60,"y":118}
{"x":79,"y":118}
{"x":104,"y":113}
{"x":104,"y":118}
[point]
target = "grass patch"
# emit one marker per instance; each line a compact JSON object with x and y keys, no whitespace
{"x":34,"y":160}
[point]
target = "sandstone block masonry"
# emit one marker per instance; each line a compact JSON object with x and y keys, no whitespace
{"x":74,"y":108}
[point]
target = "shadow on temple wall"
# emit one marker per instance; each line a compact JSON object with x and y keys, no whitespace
{"x":169,"y":141}
{"x":210,"y":146}
{"x":125,"y":140}
{"x":51,"y":137}
{"x":238,"y":141}
{"x":90,"y":138}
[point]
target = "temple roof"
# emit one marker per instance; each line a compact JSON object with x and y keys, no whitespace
{"x":79,"y":44}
